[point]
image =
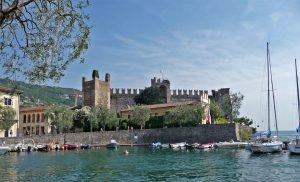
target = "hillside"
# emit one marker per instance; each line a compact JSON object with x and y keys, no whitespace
{"x":42,"y":95}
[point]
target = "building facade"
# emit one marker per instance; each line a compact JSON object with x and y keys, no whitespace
{"x":32,"y":121}
{"x":10,"y":98}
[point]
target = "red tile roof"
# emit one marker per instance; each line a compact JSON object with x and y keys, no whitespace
{"x":34,"y":108}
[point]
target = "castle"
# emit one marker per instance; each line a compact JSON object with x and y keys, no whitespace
{"x":96,"y":92}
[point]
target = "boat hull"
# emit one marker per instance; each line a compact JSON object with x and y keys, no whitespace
{"x":112,"y":146}
{"x":4,"y":150}
{"x":266,"y":148}
{"x":293,"y":148}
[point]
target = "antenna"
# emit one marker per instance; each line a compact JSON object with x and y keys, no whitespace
{"x":162,"y":74}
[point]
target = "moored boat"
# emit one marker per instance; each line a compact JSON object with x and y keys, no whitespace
{"x":264,"y":143}
{"x":112,"y":145}
{"x":4,"y":149}
{"x":231,"y":145}
{"x":156,"y":145}
{"x":70,"y":146}
{"x":180,"y":145}
{"x":294,"y":146}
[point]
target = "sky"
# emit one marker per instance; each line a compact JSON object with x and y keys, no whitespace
{"x":200,"y":45}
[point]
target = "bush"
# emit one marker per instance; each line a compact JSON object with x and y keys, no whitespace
{"x":245,"y":133}
{"x":221,"y":121}
{"x":155,"y":122}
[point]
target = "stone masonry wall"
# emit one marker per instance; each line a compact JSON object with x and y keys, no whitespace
{"x":200,"y":134}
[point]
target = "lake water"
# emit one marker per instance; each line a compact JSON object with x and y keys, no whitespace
{"x":147,"y":164}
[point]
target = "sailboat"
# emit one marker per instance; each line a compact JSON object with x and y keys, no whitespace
{"x":266,"y":144}
{"x":294,"y":146}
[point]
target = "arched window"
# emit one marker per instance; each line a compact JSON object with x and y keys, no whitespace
{"x":29,"y":118}
{"x":24,"y":118}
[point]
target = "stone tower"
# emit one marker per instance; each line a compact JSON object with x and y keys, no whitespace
{"x":164,"y":86}
{"x":95,"y":91}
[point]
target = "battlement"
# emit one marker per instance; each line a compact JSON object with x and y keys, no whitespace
{"x":190,"y":93}
{"x":123,"y":91}
{"x":158,"y":81}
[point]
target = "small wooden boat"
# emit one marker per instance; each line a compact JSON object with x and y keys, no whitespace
{"x":85,"y":146}
{"x":181,"y":145}
{"x":70,"y":146}
{"x":192,"y":146}
{"x":205,"y":146}
{"x":112,"y":145}
{"x":156,"y":145}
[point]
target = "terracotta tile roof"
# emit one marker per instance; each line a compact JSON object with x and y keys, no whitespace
{"x":174,"y":104}
{"x":34,"y":108}
{"x":9,"y":90}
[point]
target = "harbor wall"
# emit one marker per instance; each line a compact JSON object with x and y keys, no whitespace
{"x":200,"y":134}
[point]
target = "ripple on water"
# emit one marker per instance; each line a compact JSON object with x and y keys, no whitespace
{"x":146,"y":164}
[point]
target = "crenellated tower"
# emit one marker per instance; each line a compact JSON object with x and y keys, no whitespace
{"x":96,"y":91}
{"x":164,"y":86}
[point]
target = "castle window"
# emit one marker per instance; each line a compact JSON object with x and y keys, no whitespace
{"x":29,"y":118}
{"x":24,"y":118}
{"x":7,"y":101}
{"x":42,"y":117}
{"x":38,"y":118}
{"x":33,"y":118}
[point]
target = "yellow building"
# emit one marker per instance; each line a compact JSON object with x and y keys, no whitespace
{"x":162,"y":109}
{"x":32,"y":121}
{"x":10,"y":97}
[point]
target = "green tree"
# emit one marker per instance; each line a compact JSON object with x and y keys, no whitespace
{"x":41,"y":38}
{"x":243,"y":120}
{"x":140,"y":115}
{"x":215,"y":110}
{"x":230,"y":105}
{"x":82,"y":118}
{"x":151,"y":95}
{"x":60,"y":118}
{"x":226,"y":107}
{"x":7,"y":117}
{"x":185,"y":115}
{"x":102,"y":117}
{"x":236,"y":103}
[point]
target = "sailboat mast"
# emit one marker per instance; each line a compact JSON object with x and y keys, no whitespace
{"x":268,"y":67}
{"x":273,"y":94}
{"x":297,"y":93}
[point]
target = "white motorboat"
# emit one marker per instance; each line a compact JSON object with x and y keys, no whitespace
{"x":180,"y":145}
{"x":4,"y":149}
{"x":231,"y":145}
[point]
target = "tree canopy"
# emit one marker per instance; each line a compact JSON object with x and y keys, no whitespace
{"x":40,"y":38}
{"x":185,"y":115}
{"x":150,"y":95}
{"x":139,"y":115}
{"x":7,"y":117}
{"x":101,"y":116}
{"x":60,"y":118}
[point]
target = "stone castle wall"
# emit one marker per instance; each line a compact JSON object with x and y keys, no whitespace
{"x":96,"y":91}
{"x":200,"y":134}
